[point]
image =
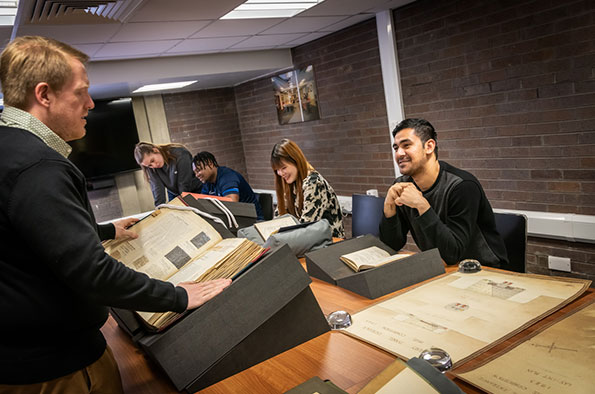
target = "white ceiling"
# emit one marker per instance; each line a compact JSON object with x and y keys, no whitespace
{"x":154,"y":41}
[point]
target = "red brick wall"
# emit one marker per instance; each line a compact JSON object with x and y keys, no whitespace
{"x":510,"y":88}
{"x":350,"y":144}
{"x":207,"y":120}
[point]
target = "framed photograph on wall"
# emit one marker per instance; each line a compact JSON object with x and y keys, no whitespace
{"x":296,"y":97}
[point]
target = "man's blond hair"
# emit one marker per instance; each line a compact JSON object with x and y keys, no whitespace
{"x":29,"y":60}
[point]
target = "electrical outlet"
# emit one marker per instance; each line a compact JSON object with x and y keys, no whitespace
{"x":558,"y":263}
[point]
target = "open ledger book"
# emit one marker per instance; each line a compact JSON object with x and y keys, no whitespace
{"x":180,"y":246}
{"x":371,"y":257}
{"x":266,"y":229}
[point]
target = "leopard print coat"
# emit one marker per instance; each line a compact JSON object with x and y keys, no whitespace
{"x":321,"y":202}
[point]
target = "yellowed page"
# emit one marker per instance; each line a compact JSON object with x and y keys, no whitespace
{"x":265,"y":229}
{"x":398,"y":378}
{"x":558,"y":360}
{"x":365,"y":257}
{"x":461,"y":313}
{"x":168,"y":240}
{"x":193,"y":271}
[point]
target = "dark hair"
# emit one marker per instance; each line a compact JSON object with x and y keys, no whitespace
{"x":204,"y":159}
{"x":290,"y":152}
{"x":422,"y":128}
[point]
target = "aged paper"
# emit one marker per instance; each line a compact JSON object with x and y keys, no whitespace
{"x":398,"y":378}
{"x":370,"y":258}
{"x":265,"y":229}
{"x":462,"y":313}
{"x":168,"y":240}
{"x":199,"y":266}
{"x":559,"y":359}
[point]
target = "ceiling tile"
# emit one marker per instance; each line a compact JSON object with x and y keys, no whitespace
{"x":183,"y":10}
{"x":132,"y":49}
{"x":303,"y":25}
{"x":147,"y":31}
{"x":89,"y":49}
{"x":305,"y":39}
{"x":73,"y":34}
{"x":267,"y":41}
{"x":237,"y":27}
{"x":202,"y":45}
{"x":350,"y":22}
{"x":342,"y":7}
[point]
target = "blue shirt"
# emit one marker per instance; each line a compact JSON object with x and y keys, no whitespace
{"x":231,"y":182}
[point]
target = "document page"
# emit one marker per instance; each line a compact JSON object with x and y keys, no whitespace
{"x":462,"y":313}
{"x":557,"y":360}
{"x":265,"y":229}
{"x":398,"y":378}
{"x":168,"y":240}
{"x":369,"y":258}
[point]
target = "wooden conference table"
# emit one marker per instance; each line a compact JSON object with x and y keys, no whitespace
{"x":347,"y":362}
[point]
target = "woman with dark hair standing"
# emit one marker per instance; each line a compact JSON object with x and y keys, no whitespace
{"x":301,"y":190}
{"x":167,"y":166}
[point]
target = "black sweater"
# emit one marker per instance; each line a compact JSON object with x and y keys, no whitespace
{"x":55,"y":277}
{"x":460,"y":221}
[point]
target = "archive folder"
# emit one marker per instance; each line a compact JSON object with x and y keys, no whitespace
{"x":325,"y":264}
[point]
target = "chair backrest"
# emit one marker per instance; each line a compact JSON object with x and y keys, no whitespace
{"x":513,"y":230}
{"x":366,"y":212}
{"x":266,"y":203}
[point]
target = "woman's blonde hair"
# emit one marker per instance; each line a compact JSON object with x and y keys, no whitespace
{"x":29,"y":60}
{"x":289,"y":152}
{"x":144,"y":148}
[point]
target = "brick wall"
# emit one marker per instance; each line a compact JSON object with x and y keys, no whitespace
{"x":207,"y":120}
{"x":350,"y":144}
{"x":510,"y":88}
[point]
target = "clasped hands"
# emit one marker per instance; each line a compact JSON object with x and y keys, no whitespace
{"x":404,"y":193}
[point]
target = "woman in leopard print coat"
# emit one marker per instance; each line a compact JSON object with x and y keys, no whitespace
{"x":301,"y":190}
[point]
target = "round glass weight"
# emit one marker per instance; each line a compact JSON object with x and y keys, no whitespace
{"x":338,"y":320}
{"x":437,"y":358}
{"x":469,"y":266}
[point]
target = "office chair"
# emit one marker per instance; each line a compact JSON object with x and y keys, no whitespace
{"x":513,"y":230}
{"x":366,"y":212}
{"x":266,"y":203}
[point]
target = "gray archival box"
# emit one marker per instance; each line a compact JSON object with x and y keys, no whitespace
{"x":325,"y":265}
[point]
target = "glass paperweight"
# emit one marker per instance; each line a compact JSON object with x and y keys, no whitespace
{"x":338,"y":320}
{"x":437,"y":358}
{"x":469,"y":266}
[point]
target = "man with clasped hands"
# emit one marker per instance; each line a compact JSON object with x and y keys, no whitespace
{"x":443,"y":207}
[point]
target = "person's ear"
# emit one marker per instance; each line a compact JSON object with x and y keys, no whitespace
{"x":430,"y":146}
{"x":42,"y":93}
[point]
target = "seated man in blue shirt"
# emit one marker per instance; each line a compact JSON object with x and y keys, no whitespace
{"x":223,"y":181}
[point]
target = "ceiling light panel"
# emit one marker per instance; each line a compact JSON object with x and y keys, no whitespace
{"x":163,"y":86}
{"x":256,"y":9}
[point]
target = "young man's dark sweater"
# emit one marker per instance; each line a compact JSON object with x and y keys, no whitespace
{"x":460,"y":221}
{"x":55,"y":278}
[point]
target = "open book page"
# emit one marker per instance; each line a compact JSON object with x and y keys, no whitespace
{"x":224,"y":260}
{"x":167,"y":240}
{"x":463,"y":313}
{"x":194,"y":270}
{"x":265,"y":229}
{"x":369,"y":258}
{"x":555,"y":359}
